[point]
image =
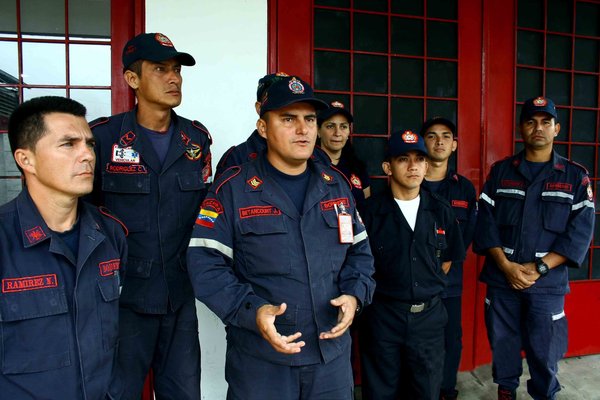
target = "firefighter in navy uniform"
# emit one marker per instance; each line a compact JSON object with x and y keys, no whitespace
{"x":536,"y":218}
{"x":441,"y":141}
{"x":256,"y":144}
{"x":281,"y":256}
{"x":152,"y":171}
{"x":414,"y":237}
{"x":60,"y":262}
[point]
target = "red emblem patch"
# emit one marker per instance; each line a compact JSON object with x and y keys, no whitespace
{"x":252,"y":156}
{"x":540,"y":102}
{"x":259,"y":211}
{"x":460,"y":203}
{"x":193,"y":152}
{"x":409,"y":137}
{"x":127,"y":139}
{"x":254,"y":182}
{"x":212,"y":204}
{"x":11,"y":285}
{"x":328,"y":205}
{"x":512,"y":184}
{"x":107,"y":268}
{"x":184,"y":138}
{"x":565,"y":187}
{"x":355,"y":180}
{"x":163,"y":40}
{"x":36,"y":234}
{"x":440,"y":231}
{"x":126,"y":169}
{"x":337,"y":104}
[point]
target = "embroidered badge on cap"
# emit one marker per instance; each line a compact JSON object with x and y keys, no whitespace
{"x":296,"y":86}
{"x":409,"y":137}
{"x":540,"y":102}
{"x":125,"y":155}
{"x":108,"y":268}
{"x":163,"y":40}
{"x":10,"y":285}
{"x":590,"y":193}
{"x":36,"y":234}
{"x":259,"y":211}
{"x":281,"y":73}
{"x":254,"y":182}
{"x":337,"y":104}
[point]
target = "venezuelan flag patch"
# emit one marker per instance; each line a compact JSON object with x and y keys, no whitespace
{"x":206,"y":218}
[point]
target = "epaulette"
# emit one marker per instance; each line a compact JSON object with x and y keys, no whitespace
{"x":98,"y":121}
{"x":198,"y":125}
{"x":333,"y":167}
{"x":226,"y":176}
{"x":579,"y":165}
{"x":106,"y":212}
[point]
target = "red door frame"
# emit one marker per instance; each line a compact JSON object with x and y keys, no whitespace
{"x":486,"y":88}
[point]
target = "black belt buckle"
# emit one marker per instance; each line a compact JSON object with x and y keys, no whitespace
{"x":417,"y":308}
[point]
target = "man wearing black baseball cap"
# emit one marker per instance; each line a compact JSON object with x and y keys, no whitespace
{"x":440,"y":138}
{"x":414,"y":236}
{"x":280,"y":254}
{"x":536,"y":219}
{"x":152,"y":170}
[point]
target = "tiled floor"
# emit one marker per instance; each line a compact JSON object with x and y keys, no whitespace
{"x":579,"y":378}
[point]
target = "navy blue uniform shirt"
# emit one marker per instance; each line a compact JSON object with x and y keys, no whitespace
{"x":251,"y":247}
{"x":530,"y":216}
{"x":158,"y":202}
{"x":460,"y":193}
{"x":408,"y":265}
{"x":58,"y":315}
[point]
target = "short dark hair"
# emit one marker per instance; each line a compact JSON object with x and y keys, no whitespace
{"x":135,"y":66}
{"x":26,"y":123}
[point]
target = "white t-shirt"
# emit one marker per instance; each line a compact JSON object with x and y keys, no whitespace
{"x":409,"y":209}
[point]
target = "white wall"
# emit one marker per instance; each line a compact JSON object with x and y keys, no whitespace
{"x":228,"y":39}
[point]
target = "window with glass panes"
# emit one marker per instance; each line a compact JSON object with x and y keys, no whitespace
{"x":394,"y":63}
{"x":557,"y":55}
{"x":51,"y":48}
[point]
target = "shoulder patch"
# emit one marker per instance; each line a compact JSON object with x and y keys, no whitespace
{"x":106,"y":212}
{"x":226,"y":176}
{"x":98,"y":121}
{"x":198,"y":125}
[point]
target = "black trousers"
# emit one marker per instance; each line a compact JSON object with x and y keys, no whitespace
{"x":402,"y":353}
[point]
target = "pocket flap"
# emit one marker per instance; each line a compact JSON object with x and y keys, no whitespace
{"x":32,"y":304}
{"x":138,"y":267}
{"x":123,"y":183}
{"x":190,"y":181}
{"x":109,"y":288}
{"x":262,"y":225}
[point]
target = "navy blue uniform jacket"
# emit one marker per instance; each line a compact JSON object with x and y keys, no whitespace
{"x":408,"y":264}
{"x":460,"y":193}
{"x":58,"y":316}
{"x":529,"y":217}
{"x":251,"y":247}
{"x":158,"y":204}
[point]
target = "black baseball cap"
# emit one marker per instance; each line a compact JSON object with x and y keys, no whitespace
{"x":401,"y":142}
{"x":435,"y":121}
{"x":288,"y":91}
{"x":536,"y":105}
{"x":153,"y":47}
{"x":266,"y":81}
{"x":335,"y":107}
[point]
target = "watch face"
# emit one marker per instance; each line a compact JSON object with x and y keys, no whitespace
{"x":542,"y":269}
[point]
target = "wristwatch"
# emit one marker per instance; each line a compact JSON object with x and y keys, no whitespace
{"x":541,"y":267}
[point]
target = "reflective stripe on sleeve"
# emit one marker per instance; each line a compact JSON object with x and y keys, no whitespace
{"x":585,"y":203}
{"x":512,"y":191}
{"x":558,"y":316}
{"x":212,"y":244}
{"x":360,"y":237}
{"x":487,"y":199}
{"x":558,"y":194}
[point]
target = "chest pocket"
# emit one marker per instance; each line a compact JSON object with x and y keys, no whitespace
{"x":108,"y":310}
{"x":191,"y":192}
{"x":265,"y":245}
{"x":509,"y":206}
{"x":36,"y":331}
{"x":130,"y":201}
{"x":334,"y":250}
{"x":556,"y":211}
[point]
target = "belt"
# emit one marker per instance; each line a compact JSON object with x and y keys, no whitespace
{"x":417,"y":307}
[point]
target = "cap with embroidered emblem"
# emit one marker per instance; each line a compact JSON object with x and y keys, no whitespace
{"x":285,"y":92}
{"x":403,"y":141}
{"x":537,"y":105}
{"x":153,"y":47}
{"x":335,"y":107}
